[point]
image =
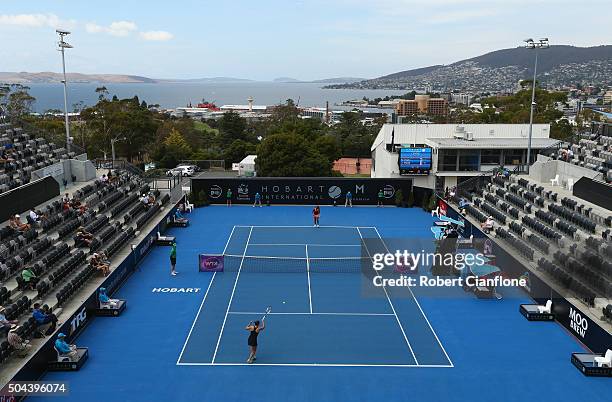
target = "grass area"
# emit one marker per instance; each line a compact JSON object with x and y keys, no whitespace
{"x":200,"y":126}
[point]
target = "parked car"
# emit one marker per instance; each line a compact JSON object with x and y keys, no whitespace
{"x":195,"y":168}
{"x":181,"y":170}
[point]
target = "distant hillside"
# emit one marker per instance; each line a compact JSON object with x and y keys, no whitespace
{"x":49,"y":77}
{"x":502,"y":69}
{"x":338,"y":80}
{"x":207,"y":80}
{"x":286,"y":79}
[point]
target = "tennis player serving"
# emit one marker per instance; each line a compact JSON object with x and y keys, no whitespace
{"x":254,"y":328}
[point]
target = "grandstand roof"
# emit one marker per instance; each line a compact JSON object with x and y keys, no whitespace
{"x":419,"y":133}
{"x":495,"y":143}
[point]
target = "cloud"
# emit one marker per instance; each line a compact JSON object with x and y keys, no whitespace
{"x":116,"y":28}
{"x":34,"y":20}
{"x":156,"y":35}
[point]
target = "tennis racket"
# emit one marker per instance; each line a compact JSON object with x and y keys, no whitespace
{"x":268,"y":310}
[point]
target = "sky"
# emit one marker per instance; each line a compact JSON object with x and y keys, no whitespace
{"x":266,"y":39}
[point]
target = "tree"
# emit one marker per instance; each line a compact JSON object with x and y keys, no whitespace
{"x":290,"y":155}
{"x":126,"y":119}
{"x":237,"y":151}
{"x":15,"y":101}
{"x":231,"y":127}
{"x":172,"y":150}
{"x":328,"y":146}
{"x":355,"y":139}
{"x":561,"y":130}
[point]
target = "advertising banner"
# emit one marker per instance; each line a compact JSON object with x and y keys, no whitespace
{"x":211,"y":263}
{"x":316,"y":190}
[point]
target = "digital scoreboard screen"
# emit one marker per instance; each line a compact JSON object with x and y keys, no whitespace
{"x":414,"y":161}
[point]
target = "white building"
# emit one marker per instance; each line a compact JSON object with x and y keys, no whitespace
{"x":247,"y":166}
{"x":244,"y":108}
{"x":458,"y":151}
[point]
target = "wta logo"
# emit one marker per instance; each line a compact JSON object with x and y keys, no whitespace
{"x":211,"y":263}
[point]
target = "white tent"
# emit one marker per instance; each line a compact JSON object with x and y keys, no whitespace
{"x":247,"y":166}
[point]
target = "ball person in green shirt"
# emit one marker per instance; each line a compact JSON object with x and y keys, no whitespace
{"x":381,"y":197}
{"x":173,"y":260}
{"x":229,"y":197}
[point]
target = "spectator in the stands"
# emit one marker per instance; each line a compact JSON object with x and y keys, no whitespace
{"x":64,"y":349}
{"x":66,"y":199}
{"x":82,"y":238}
{"x":144,"y":199}
{"x":76,"y":204}
{"x":463,"y":203}
{"x":488,"y":225}
{"x":6,"y":156}
{"x":98,"y":262}
{"x":151,"y":198}
{"x":452,"y":192}
{"x":21,"y":346}
{"x":44,"y":316}
{"x":35,"y":217}
{"x":5,"y":324}
{"x":104,"y":179}
{"x":29,"y":277}
{"x":15,"y":223}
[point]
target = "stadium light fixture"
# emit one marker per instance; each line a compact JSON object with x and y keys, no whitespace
{"x":541,"y":43}
{"x":62,"y":45}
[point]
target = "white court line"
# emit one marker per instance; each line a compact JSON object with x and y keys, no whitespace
{"x":228,"y":239}
{"x":203,"y":300}
{"x":296,"y":258}
{"x":419,"y":306}
{"x":319,"y":365}
{"x":305,"y":226}
{"x":196,"y":318}
{"x":391,"y":305}
{"x":232,"y":296}
{"x":318,"y":313}
{"x":308,"y":273}
{"x":304,"y":244}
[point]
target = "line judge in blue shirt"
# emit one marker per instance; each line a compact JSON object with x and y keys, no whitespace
{"x":65,"y":349}
{"x":349,"y":199}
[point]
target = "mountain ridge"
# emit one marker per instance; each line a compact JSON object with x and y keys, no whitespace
{"x":502,"y":69}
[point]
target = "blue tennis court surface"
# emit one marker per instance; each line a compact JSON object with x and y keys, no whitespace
{"x":335,"y":320}
{"x":333,"y":339}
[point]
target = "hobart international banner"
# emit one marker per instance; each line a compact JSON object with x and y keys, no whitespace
{"x":302,"y":190}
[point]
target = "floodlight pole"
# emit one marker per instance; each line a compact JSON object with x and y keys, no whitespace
{"x":62,"y":46}
{"x":535,"y":45}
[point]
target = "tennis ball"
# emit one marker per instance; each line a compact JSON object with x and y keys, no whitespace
{"x":284,"y":302}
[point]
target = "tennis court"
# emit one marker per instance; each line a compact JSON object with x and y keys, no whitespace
{"x":162,"y":346}
{"x":324,"y":310}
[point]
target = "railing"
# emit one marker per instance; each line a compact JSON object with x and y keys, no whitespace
{"x":101,"y":163}
{"x":166,"y":183}
{"x":206,"y":164}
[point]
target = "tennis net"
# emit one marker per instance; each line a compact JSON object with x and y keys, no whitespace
{"x":267,"y":264}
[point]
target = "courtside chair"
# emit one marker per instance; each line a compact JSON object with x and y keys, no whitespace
{"x":555,"y":181}
{"x":604,"y":361}
{"x":546,"y":308}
